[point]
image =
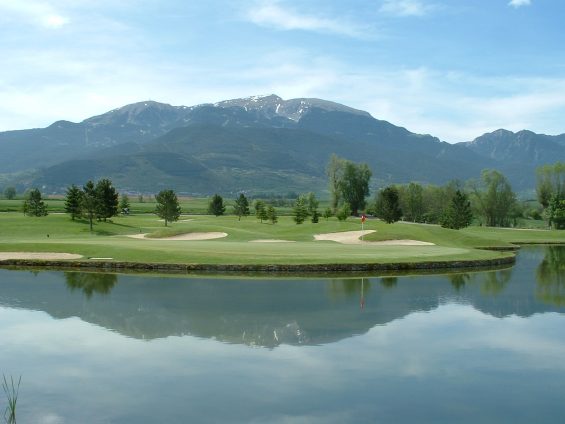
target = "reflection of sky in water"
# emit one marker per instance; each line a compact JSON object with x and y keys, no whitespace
{"x":453,"y":363}
{"x":474,"y":347}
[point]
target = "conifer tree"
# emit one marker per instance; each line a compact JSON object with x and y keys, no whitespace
{"x":216,"y":205}
{"x":73,"y":201}
{"x":241,"y":207}
{"x":34,"y":205}
{"x":272,"y":214}
{"x":458,"y":214}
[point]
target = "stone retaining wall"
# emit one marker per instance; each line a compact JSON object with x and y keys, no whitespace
{"x":238,"y":268}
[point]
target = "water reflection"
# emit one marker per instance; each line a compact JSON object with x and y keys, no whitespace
{"x":550,"y":276}
{"x":270,"y":313}
{"x":418,"y":348}
{"x":458,"y":281}
{"x":90,"y":283}
{"x":495,"y":282}
{"x":389,"y":282}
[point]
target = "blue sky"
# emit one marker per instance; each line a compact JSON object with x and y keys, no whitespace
{"x":451,"y":68}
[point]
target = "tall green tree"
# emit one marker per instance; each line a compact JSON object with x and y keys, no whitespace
{"x":168,"y":207}
{"x":413,"y":208}
{"x":312,"y":204}
{"x":550,"y":181}
{"x":334,"y":171}
{"x":73,"y":200}
{"x":124,"y":204}
{"x":89,"y":202}
{"x":216,"y":205}
{"x":343,"y":212}
{"x":494,"y":198}
{"x":458,"y":214}
{"x":34,"y":205}
{"x":354,"y":185}
{"x":108,"y":199}
{"x":260,"y":210}
{"x":241,"y":207}
{"x":556,"y":213}
{"x":300,"y":209}
{"x":272,"y":214}
{"x":10,"y":193}
{"x":388,"y":205}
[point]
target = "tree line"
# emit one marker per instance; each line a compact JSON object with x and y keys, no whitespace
{"x":489,"y":200}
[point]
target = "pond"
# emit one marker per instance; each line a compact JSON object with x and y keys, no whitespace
{"x":484,"y":346}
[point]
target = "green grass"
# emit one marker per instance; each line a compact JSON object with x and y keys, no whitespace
{"x":57,"y":233}
{"x":11,"y":391}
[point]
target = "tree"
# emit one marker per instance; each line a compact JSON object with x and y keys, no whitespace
{"x":354,"y":185}
{"x":494,"y":198}
{"x":556,"y":213}
{"x":241,"y":207}
{"x":216,"y":206}
{"x":312,"y":206}
{"x":550,"y":187}
{"x":34,"y":205}
{"x":327,"y":213}
{"x":272,"y":214}
{"x":260,"y":210}
{"x":300,"y":209}
{"x":414,"y":204}
{"x":107,"y":197}
{"x":10,"y":193}
{"x":344,"y":212}
{"x":89,"y":202}
{"x":458,"y":214}
{"x":124,"y":204}
{"x":73,"y":202}
{"x":388,"y":205}
{"x":334,"y":172}
{"x":168,"y":207}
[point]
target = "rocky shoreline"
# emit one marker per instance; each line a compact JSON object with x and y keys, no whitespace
{"x":113,"y":266}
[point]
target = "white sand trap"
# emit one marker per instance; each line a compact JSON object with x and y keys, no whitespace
{"x":271,"y":241}
{"x":187,"y":236}
{"x":344,"y":237}
{"x":401,"y":243}
{"x":38,"y":255}
{"x":354,"y":237}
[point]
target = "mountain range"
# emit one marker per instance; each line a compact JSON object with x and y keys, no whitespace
{"x":255,"y":144}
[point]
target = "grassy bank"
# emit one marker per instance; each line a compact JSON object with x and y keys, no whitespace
{"x":57,"y":233}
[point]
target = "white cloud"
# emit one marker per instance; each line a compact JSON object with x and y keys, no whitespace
{"x":406,"y":7}
{"x":34,"y":12}
{"x":270,"y":13}
{"x":519,"y":3}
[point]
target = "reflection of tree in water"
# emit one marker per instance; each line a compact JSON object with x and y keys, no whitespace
{"x":495,"y":281}
{"x":91,"y":283}
{"x":349,"y":287}
{"x":458,"y":281}
{"x":389,"y":282}
{"x":550,"y":277}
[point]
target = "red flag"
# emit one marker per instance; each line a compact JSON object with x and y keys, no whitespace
{"x":363,"y":218}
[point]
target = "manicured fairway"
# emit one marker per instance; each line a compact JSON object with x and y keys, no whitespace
{"x":57,"y":233}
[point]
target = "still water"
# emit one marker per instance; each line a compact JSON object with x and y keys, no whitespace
{"x":484,"y":347}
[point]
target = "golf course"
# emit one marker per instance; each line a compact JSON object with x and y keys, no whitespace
{"x":209,"y":243}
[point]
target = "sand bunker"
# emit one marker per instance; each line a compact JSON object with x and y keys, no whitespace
{"x":187,"y":236}
{"x":271,"y":241}
{"x":38,"y":255}
{"x":354,"y":237}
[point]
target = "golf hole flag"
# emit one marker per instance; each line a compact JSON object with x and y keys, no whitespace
{"x":363,"y":219}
